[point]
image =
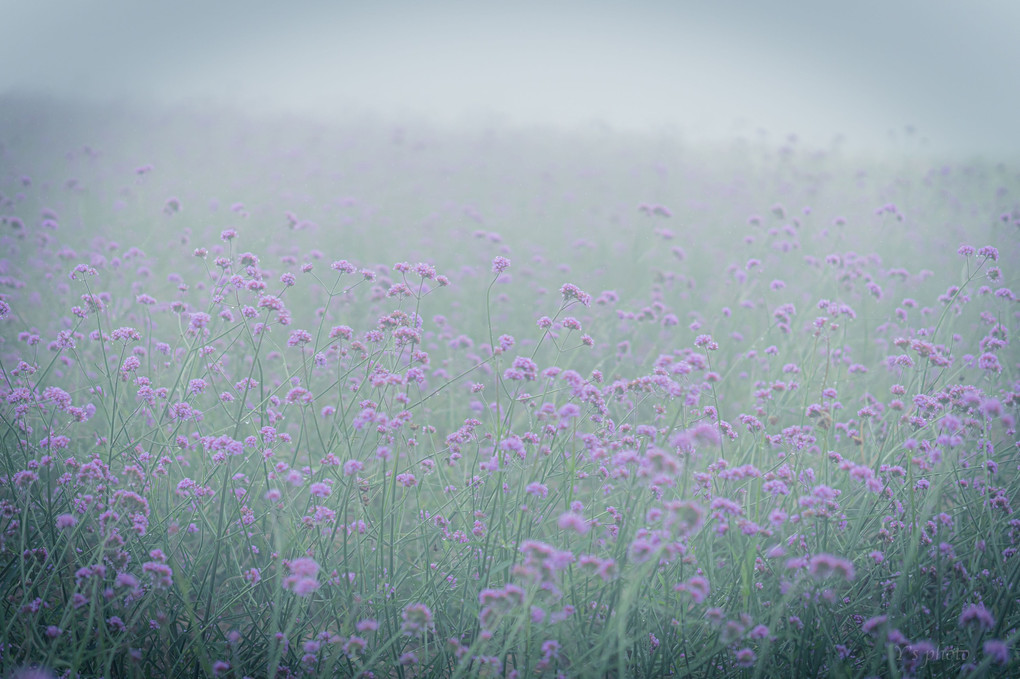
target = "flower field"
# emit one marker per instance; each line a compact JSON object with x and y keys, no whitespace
{"x":283,"y":399}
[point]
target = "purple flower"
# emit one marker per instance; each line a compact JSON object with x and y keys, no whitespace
{"x":160,"y":573}
{"x":571,"y":291}
{"x":989,"y":252}
{"x":745,"y":657}
{"x":871,"y":624}
{"x":706,"y":342}
{"x":990,"y":362}
{"x":642,"y":549}
{"x":320,"y":490}
{"x":822,"y":566}
{"x":417,"y":619}
{"x":126,"y":580}
{"x":998,"y":651}
{"x":573,"y":521}
{"x":697,"y":587}
{"x":304,"y":567}
{"x":126,"y":335}
{"x":302,"y":587}
{"x":367,"y":625}
{"x":302,"y":580}
{"x":299,"y":338}
{"x":978,"y":615}
{"x":537,"y":489}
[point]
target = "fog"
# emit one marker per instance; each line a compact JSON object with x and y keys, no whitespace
{"x":912,"y":75}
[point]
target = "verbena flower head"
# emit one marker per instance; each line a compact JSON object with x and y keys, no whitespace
{"x":572,"y":292}
{"x":574,"y":522}
{"x":821,"y":566}
{"x":417,"y":620}
{"x":302,"y":580}
{"x":697,"y":587}
{"x":997,"y":650}
{"x":977,"y":615}
{"x":745,"y":657}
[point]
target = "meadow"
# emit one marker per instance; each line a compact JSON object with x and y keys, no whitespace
{"x":287,"y":399}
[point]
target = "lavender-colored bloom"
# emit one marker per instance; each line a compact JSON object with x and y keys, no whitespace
{"x":304,"y":567}
{"x":160,"y":573}
{"x":821,"y":566}
{"x":745,"y":657}
{"x":302,"y":587}
{"x":573,"y":521}
{"x":367,"y":625}
{"x":989,"y":252}
{"x":320,"y":490}
{"x":871,"y":624}
{"x":302,"y":580}
{"x":997,"y":650}
{"x":978,"y":615}
{"x":125,"y":334}
{"x":706,"y":342}
{"x":417,"y":619}
{"x":642,"y":549}
{"x":299,"y":338}
{"x":990,"y":362}
{"x":571,"y":291}
{"x":537,"y":489}
{"x":698,"y":587}
{"x":126,"y":580}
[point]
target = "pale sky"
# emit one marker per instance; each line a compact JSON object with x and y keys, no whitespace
{"x":817,"y":68}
